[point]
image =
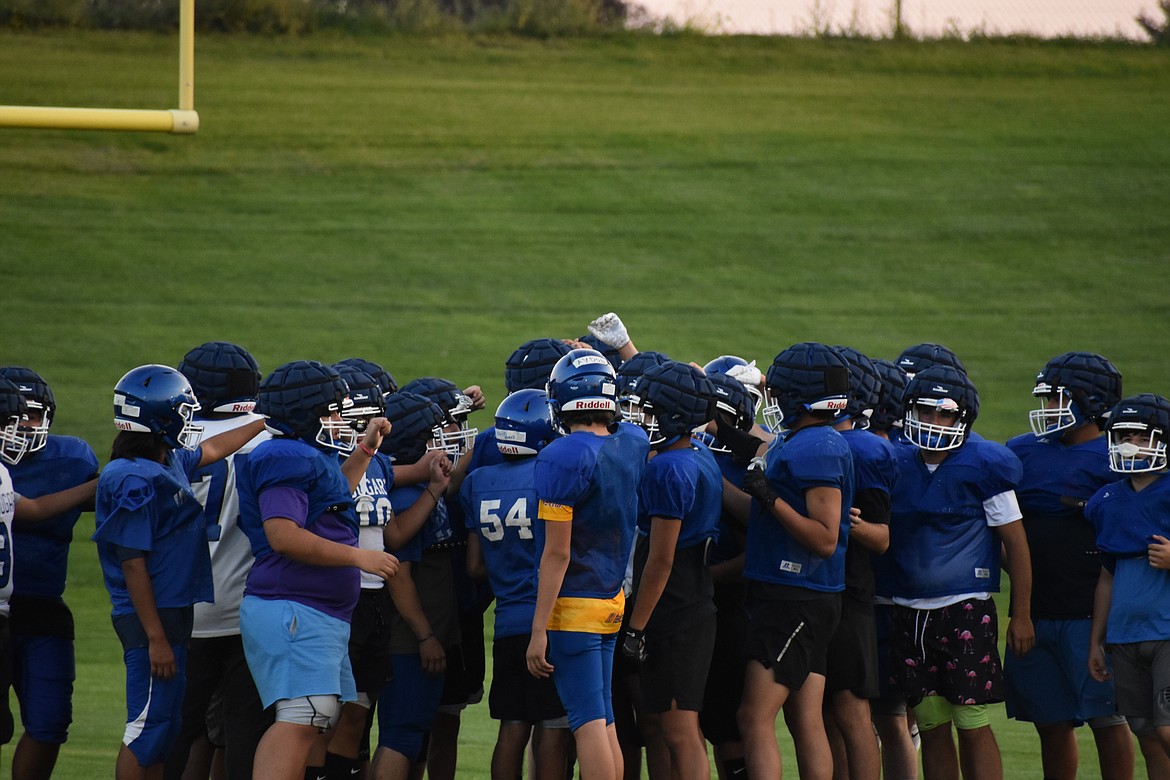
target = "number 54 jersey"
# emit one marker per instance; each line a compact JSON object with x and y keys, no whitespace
{"x":499,"y":504}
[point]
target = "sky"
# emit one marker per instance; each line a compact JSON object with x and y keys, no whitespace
{"x":923,"y":17}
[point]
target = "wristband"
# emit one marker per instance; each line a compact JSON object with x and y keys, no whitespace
{"x":433,"y":496}
{"x":362,"y":446}
{"x":428,"y":636}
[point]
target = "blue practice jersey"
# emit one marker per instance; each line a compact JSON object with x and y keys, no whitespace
{"x":875,"y":472}
{"x":1126,"y":520}
{"x":940,"y":542}
{"x":686,"y":485}
{"x":500,"y":505}
{"x":592,"y":482}
{"x":816,"y":456}
{"x":149,"y":506}
{"x":43,"y":561}
{"x":1057,"y":482}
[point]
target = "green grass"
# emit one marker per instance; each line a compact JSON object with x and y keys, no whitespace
{"x":432,"y":203}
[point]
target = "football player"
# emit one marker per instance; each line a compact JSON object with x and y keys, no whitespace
{"x":953,"y":508}
{"x":1132,"y":520}
{"x":800,"y":492}
{"x":853,"y":675}
{"x":226,"y":380}
{"x":152,"y":545}
{"x":670,"y":631}
{"x":297,"y":508}
{"x":424,"y":621}
{"x":500,"y":504}
{"x":1065,"y":461}
{"x":41,"y":623}
{"x":586,"y":483}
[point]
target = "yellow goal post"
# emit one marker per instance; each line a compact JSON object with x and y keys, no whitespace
{"x":182,"y":120}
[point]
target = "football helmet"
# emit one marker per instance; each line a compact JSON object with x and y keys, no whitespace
{"x":888,"y":413}
{"x":676,"y":399}
{"x":723,"y":364}
{"x":300,"y":398}
{"x":581,"y":381}
{"x":628,"y":374}
{"x":13,"y":416}
{"x":920,"y":357}
{"x":806,"y":377}
{"x":1080,"y":387}
{"x":1138,"y":428}
{"x":158,"y":399}
{"x":612,"y":354}
{"x":364,"y":393}
{"x":523,"y":424}
{"x":529,"y":365}
{"x":383,"y":377}
{"x":224,"y":376}
{"x":458,"y":436}
{"x":865,"y":387}
{"x":39,"y":397}
{"x":943,"y":388}
{"x":416,"y":426}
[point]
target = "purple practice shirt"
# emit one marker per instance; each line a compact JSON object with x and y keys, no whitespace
{"x":330,"y":589}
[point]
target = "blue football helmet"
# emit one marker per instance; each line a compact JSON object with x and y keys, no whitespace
{"x":806,"y":377}
{"x":39,"y":397}
{"x":723,"y":364}
{"x":1139,"y":428}
{"x":865,"y":387}
{"x":676,"y":399}
{"x":529,"y":365}
{"x":523,"y":424}
{"x":581,"y":381}
{"x":158,"y":399}
{"x":943,"y":388}
{"x":383,"y":377}
{"x":416,"y":427}
{"x":734,"y":399}
{"x":300,"y":399}
{"x":13,"y":415}
{"x":612,"y":354}
{"x":920,"y":357}
{"x":628,"y":374}
{"x":365,"y":394}
{"x":458,"y":436}
{"x":224,"y":376}
{"x":1076,"y":388}
{"x":888,"y":412}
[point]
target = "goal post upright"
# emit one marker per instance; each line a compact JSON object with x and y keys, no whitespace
{"x":183,"y":120}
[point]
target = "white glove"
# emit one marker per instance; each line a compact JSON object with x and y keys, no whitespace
{"x":749,"y":375}
{"x":608,"y":328}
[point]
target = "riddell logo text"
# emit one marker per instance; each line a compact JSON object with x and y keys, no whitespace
{"x":836,"y":404}
{"x":594,"y":405}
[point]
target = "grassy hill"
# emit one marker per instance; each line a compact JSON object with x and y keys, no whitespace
{"x":430,"y":203}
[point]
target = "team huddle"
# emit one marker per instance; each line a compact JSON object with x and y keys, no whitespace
{"x":675,"y":554}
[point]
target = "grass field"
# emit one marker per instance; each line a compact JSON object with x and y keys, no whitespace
{"x":432,"y":203}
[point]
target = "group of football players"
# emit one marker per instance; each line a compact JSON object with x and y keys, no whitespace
{"x":675,"y":553}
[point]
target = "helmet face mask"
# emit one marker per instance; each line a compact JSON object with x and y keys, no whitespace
{"x":1137,"y":429}
{"x":158,"y":399}
{"x":1057,"y":412}
{"x":337,"y":432}
{"x":453,"y":436}
{"x":13,"y":416}
{"x":934,"y":436}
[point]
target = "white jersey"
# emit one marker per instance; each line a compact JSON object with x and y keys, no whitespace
{"x":231,"y":554}
{"x":8,"y":500}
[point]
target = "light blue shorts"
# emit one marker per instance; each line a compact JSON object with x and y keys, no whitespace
{"x":294,"y":650}
{"x":1051,"y":683}
{"x":583,"y":665}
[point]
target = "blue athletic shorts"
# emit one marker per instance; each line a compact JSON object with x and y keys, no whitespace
{"x":294,"y":650}
{"x":154,"y":707}
{"x":43,"y":675}
{"x":583,"y":665}
{"x":1051,"y":683}
{"x":407,"y":706}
